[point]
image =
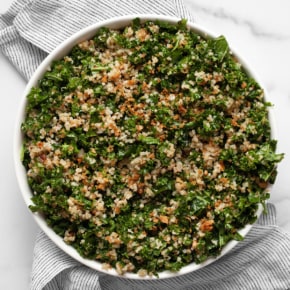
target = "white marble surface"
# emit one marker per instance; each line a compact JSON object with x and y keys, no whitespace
{"x":258,"y":30}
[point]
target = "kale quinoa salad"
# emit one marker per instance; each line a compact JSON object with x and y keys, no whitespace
{"x":148,"y":148}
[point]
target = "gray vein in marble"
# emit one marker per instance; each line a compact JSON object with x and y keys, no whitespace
{"x":222,"y":14}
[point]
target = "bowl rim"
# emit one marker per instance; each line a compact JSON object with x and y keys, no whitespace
{"x":61,"y":50}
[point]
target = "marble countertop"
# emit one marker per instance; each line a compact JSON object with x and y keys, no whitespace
{"x":261,"y":34}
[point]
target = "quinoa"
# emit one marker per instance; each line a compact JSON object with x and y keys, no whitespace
{"x":148,"y":148}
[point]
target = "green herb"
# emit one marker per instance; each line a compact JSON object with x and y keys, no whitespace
{"x":149,"y":147}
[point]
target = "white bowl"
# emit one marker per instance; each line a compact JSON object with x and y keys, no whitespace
{"x":62,"y":50}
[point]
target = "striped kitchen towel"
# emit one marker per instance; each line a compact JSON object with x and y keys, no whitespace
{"x":32,"y":28}
{"x":28,"y":32}
{"x":261,"y":262}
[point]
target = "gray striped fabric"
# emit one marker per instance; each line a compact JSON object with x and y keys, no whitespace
{"x":30,"y":30}
{"x":261,"y":261}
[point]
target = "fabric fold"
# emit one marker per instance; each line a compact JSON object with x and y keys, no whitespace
{"x":31,"y":29}
{"x":261,"y":261}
